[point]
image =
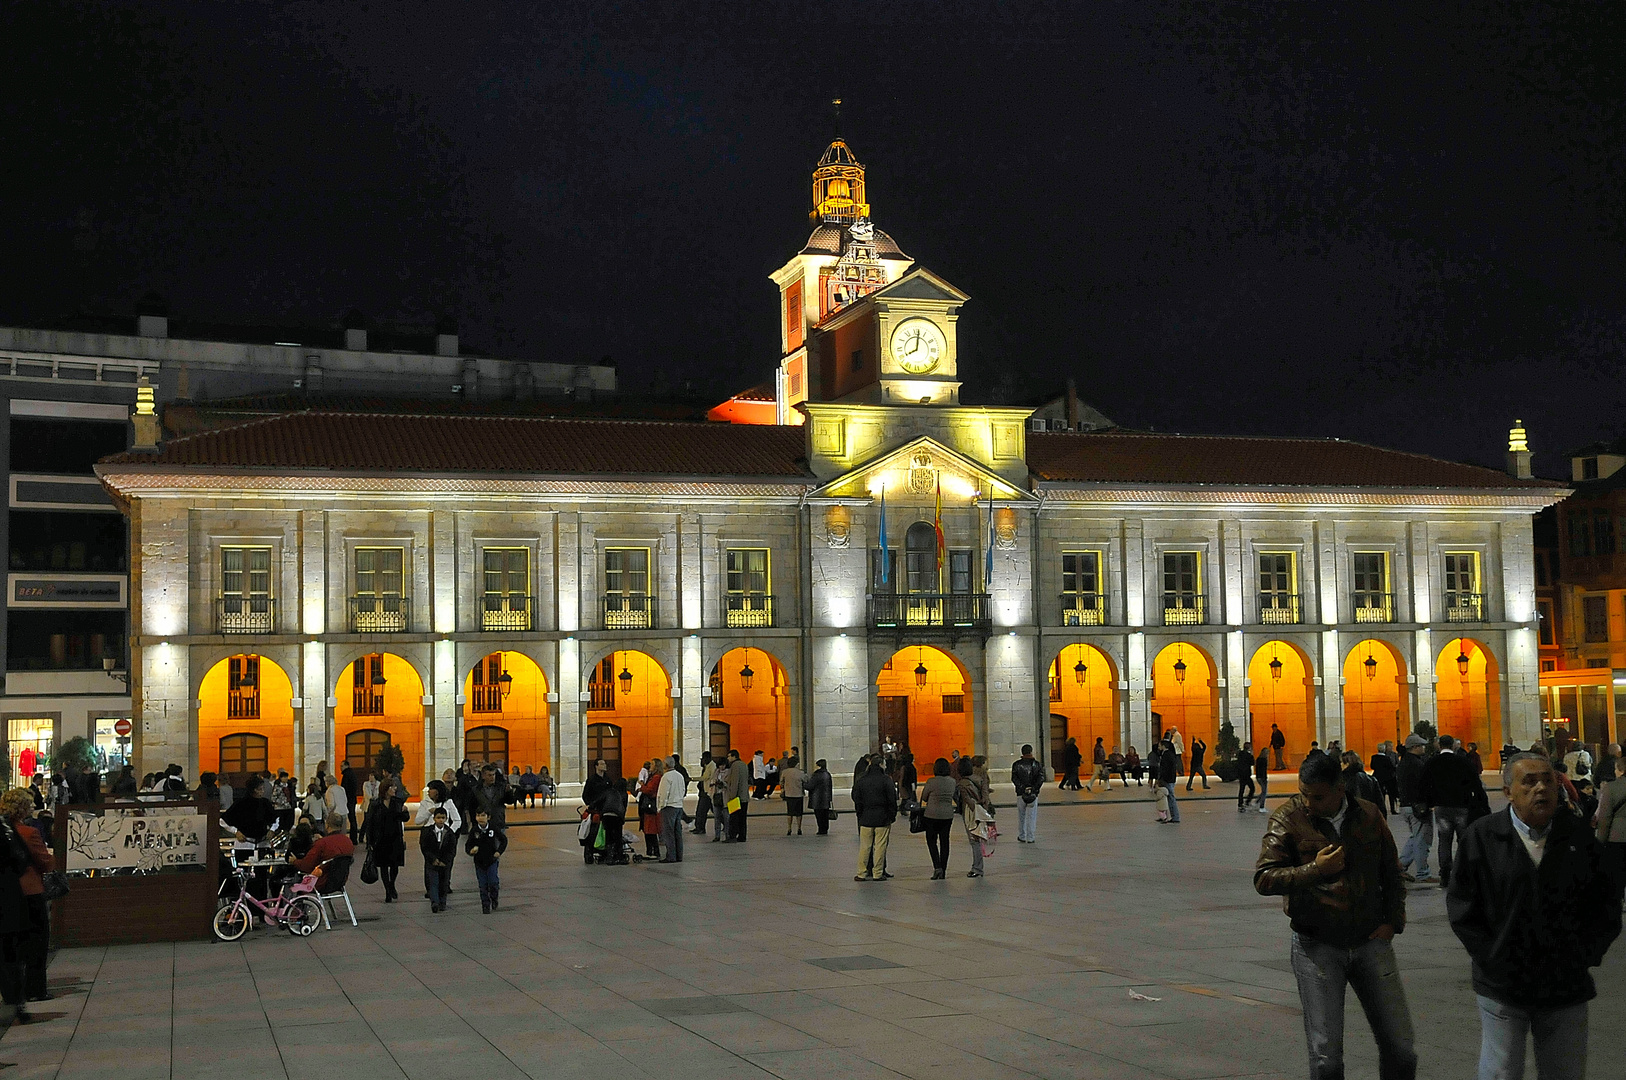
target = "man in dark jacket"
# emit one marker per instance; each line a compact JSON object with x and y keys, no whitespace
{"x":1451,"y":786}
{"x":875,"y":801}
{"x":821,"y":795}
{"x":350,"y":779}
{"x":1383,"y":771}
{"x":1414,"y":811}
{"x":1027,"y":777}
{"x":1168,"y":769}
{"x":1199,"y":750}
{"x":1532,"y":902}
{"x":1278,"y":743}
{"x":1332,"y":859}
{"x":492,"y":797}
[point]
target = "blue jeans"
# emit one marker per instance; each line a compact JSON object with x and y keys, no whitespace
{"x":1418,"y":841}
{"x":437,"y":882}
{"x":487,"y":877}
{"x":1560,"y":1041}
{"x":1322,"y":972}
{"x":672,"y":833}
{"x":1174,"y":805}
{"x":1027,"y":819}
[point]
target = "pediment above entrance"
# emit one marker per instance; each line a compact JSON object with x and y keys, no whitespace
{"x":912,"y":473}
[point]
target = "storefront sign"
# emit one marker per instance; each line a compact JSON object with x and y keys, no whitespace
{"x":34,"y":590}
{"x":131,"y":840}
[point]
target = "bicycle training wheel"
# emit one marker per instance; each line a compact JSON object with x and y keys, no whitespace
{"x":231,"y":922}
{"x":304,"y":916}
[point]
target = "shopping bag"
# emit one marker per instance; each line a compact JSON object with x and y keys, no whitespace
{"x":734,"y":804}
{"x":989,"y":839}
{"x":585,"y":829}
{"x":600,"y":839}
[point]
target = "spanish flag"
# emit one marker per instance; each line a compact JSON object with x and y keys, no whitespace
{"x":937,"y":526}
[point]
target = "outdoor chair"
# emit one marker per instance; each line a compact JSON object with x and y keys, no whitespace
{"x":332,"y":887}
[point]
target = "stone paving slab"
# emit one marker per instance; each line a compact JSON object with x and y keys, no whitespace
{"x":766,"y":960}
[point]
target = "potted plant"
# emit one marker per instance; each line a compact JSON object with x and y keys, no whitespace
{"x":1226,"y":748}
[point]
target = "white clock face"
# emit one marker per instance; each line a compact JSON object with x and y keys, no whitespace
{"x":918,"y":345}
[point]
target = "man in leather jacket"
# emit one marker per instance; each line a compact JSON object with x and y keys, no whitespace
{"x":1332,"y":859}
{"x":1027,"y":776}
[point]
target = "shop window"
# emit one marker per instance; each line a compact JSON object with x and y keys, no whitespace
{"x":367,"y":680}
{"x":28,"y":742}
{"x":113,"y":749}
{"x":1595,"y":617}
{"x":244,"y":754}
{"x":243,"y":688}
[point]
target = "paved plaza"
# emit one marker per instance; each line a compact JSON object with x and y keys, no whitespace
{"x":768,"y":960}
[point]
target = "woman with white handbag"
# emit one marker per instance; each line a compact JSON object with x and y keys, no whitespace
{"x":975,"y":812}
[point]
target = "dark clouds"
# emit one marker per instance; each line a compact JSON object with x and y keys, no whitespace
{"x":1399,"y":227}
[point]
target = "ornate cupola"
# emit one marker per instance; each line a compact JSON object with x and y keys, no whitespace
{"x":838,"y":183}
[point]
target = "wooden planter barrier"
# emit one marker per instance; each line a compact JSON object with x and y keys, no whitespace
{"x":148,"y":879}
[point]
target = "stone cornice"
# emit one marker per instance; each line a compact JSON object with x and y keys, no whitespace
{"x":1521,"y":500}
{"x":140,"y":484}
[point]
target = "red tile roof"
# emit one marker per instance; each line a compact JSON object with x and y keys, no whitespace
{"x":351,"y":442}
{"x":1211,"y":460}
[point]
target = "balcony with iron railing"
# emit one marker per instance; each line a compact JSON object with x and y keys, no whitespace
{"x":748,"y":609}
{"x":952,"y":612}
{"x":601,"y":695}
{"x":1184,"y":609}
{"x":1464,"y":607}
{"x":1373,"y":607}
{"x":629,"y":611}
{"x":1280,"y":609}
{"x":1083,"y":609}
{"x":368,"y":701}
{"x":245,"y":615}
{"x":505,"y":611}
{"x":487,"y":698}
{"x":380,"y":614}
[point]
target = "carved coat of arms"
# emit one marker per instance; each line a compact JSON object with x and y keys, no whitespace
{"x":922,"y":477}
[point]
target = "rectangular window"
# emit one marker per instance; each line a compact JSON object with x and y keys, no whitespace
{"x":1464,"y":601}
{"x":1372,"y":602}
{"x":1083,"y":602}
{"x":63,"y":446}
{"x":959,"y":570}
{"x":858,"y":359}
{"x":627,"y":601}
{"x":1597,"y":662}
{"x":887,"y":583}
{"x":1589,"y":468}
{"x":1544,"y":613}
{"x":1603,"y":532}
{"x":793,"y":317}
{"x":1182,"y":588}
{"x":1549,"y":665}
{"x":795,"y":384}
{"x":506,"y":600}
{"x":243,"y":688}
{"x":488,"y":685}
{"x":748,"y":602}
{"x":367,"y":681}
{"x":245,"y":590}
{"x":1542,"y":580}
{"x":1580,"y":534}
{"x":954,"y":703}
{"x":1595,"y":617}
{"x":380,"y":604}
{"x":1278,"y":588}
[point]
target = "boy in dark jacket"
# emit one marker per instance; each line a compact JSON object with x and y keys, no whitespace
{"x":439,"y":846}
{"x":485,"y":844}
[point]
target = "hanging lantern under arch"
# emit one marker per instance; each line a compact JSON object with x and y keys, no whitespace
{"x":625,"y":678}
{"x":1276,"y":668}
{"x":1081,"y":671}
{"x":1371,"y":666}
{"x":747,"y":676}
{"x":1179,"y":671}
{"x":920,"y":673}
{"x":1462,"y":663}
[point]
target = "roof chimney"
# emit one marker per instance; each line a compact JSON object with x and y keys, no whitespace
{"x":1072,"y":405}
{"x":1518,"y":452}
{"x":148,"y":432}
{"x":446,"y":345}
{"x":152,"y":316}
{"x":355,"y":331}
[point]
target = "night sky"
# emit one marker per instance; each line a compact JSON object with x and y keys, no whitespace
{"x":1295,"y":221}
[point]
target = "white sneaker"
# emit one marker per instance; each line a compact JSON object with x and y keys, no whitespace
{"x":1262,"y":810}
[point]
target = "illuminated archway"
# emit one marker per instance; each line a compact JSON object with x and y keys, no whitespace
{"x":925,"y":705}
{"x":245,"y":695}
{"x":1281,"y":691}
{"x":751,"y":694}
{"x":1377,"y":707}
{"x":382,"y":692}
{"x":1084,"y":689}
{"x":1185,"y":694}
{"x":630,"y":692}
{"x":507,"y":691}
{"x":1467,"y":695}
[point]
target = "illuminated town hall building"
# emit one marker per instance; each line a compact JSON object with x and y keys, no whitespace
{"x":546,"y":591}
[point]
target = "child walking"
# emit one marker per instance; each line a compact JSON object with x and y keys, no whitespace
{"x":438,"y":842}
{"x":485,"y":844}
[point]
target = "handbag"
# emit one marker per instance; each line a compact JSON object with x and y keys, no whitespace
{"x":917,"y":819}
{"x":56,"y":885}
{"x":369,"y":868}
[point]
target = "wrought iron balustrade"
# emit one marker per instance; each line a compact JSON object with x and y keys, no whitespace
{"x":380,"y":614}
{"x":245,"y":615}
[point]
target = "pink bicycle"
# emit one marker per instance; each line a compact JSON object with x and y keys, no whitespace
{"x":295,"y":907}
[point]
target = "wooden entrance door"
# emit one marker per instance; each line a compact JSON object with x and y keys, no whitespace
{"x":604,"y":741}
{"x":1058,"y":739}
{"x":894,"y":720}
